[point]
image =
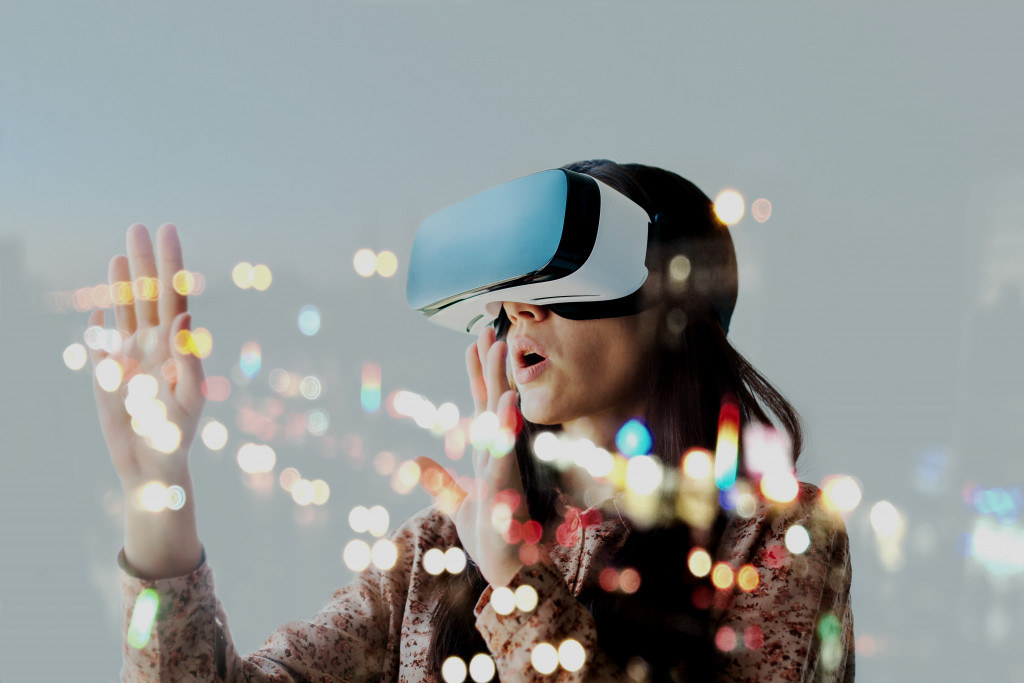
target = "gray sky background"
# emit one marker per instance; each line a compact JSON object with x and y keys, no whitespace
{"x":884,"y":296}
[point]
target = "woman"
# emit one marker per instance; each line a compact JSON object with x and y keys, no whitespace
{"x":669,"y":364}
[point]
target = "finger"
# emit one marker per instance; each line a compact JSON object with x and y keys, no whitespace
{"x":494,"y":374}
{"x":121,"y":293}
{"x":96,"y":320}
{"x":190,"y":375}
{"x":145,"y":285}
{"x":477,"y":385}
{"x":508,"y":412}
{"x":484,"y":341}
{"x":173,"y":300}
{"x":440,"y":484}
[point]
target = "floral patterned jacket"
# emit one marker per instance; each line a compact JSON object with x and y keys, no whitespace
{"x":796,"y":625}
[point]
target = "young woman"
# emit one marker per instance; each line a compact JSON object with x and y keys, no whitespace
{"x":607,"y":593}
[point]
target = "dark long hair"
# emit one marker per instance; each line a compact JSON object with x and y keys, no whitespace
{"x":692,"y":370}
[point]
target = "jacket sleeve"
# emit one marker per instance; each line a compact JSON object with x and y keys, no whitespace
{"x":349,"y":639}
{"x":797,"y":624}
{"x":558,"y":616}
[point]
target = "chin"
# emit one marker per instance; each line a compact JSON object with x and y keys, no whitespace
{"x":538,"y":410}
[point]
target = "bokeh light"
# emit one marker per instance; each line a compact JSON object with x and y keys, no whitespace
{"x":761,"y":210}
{"x":722,"y":576}
{"x":481,"y":668}
{"x":356,"y":555}
{"x":643,"y":474}
{"x":453,"y":670}
{"x":725,"y":639}
{"x":797,"y":539}
{"x":302,"y":492}
{"x":454,"y":560}
{"x":359,"y":519}
{"x":885,"y":519}
{"x":310,"y":387}
{"x":153,"y":496}
{"x":241,"y":275}
{"x":747,"y":578}
{"x":634,"y":438}
{"x":377,"y":520}
{"x":433,"y":561}
{"x":503,"y":600}
{"x":365,"y":262}
{"x":369,"y":393}
{"x":544,"y":658}
{"x":288,"y":478}
{"x":309,"y":320}
{"x":75,"y":356}
{"x":386,"y":263}
{"x":699,"y":562}
{"x":251,"y":359}
{"x":254,"y":458}
{"x":727,"y":446}
{"x":261,"y":278}
{"x":526,"y":598}
{"x":729,"y":206}
{"x":108,"y":374}
{"x":571,"y":655}
{"x":143,"y":616}
{"x":840,"y":493}
{"x":384,"y":554}
{"x":780,"y":486}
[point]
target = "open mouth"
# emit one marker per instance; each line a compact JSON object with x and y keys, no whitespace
{"x":532,"y":359}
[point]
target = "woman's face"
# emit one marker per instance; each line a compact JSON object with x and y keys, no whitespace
{"x":577,"y":370}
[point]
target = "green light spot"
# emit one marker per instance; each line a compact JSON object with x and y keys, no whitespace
{"x":143,"y":616}
{"x":829,"y":627}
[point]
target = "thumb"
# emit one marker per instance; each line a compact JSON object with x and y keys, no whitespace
{"x":440,"y":484}
{"x":190,"y":377}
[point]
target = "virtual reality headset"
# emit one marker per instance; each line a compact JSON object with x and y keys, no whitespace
{"x":556,"y":238}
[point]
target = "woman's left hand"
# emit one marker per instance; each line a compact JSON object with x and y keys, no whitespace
{"x":483,"y":513}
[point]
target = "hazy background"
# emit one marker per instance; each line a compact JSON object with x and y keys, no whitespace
{"x":884,"y":295}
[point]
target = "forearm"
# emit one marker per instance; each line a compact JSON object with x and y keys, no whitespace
{"x":164,"y":544}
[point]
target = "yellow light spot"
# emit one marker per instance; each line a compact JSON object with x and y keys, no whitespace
{"x":384,"y":554}
{"x":356,"y":555}
{"x":481,"y":668}
{"x":146,"y":288}
{"x":143,"y":616}
{"x":261,"y":278}
{"x":747,"y":578}
{"x":254,"y":458}
{"x":121,"y":293}
{"x":729,"y":207}
{"x":503,"y":600}
{"x":365,"y":262}
{"x":722,"y":576}
{"x":447,"y":416}
{"x":780,"y":486}
{"x":679,"y":268}
{"x":840,"y":493}
{"x":386,"y":264}
{"x":185,"y":343}
{"x":761,"y":210}
{"x":302,"y":492}
{"x":526,"y":598}
{"x":453,"y":670}
{"x":321,"y":492}
{"x":697,"y":464}
{"x":109,"y":374}
{"x":406,"y":477}
{"x":75,"y":356}
{"x":153,"y":497}
{"x":214,"y":435}
{"x":203,"y":342}
{"x":797,"y":539}
{"x":454,"y":560}
{"x":101,"y":296}
{"x":544,"y":658}
{"x":288,"y":478}
{"x":699,"y":562}
{"x":184,"y":282}
{"x":242,"y":275}
{"x":571,"y":655}
{"x":433,"y":561}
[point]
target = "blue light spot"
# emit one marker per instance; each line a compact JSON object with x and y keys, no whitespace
{"x":634,"y":438}
{"x":309,"y":320}
{"x":727,"y":498}
{"x":369,"y":396}
{"x":250,"y":364}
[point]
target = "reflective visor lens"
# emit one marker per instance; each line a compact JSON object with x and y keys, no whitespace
{"x":488,"y":240}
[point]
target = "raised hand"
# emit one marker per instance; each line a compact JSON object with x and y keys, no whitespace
{"x":152,"y":320}
{"x":481,"y":514}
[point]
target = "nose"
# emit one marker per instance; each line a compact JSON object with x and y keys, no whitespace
{"x":527,"y":312}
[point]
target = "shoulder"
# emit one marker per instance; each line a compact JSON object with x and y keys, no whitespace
{"x":428,"y":528}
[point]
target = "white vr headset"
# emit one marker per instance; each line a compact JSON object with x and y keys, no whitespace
{"x":556,"y":238}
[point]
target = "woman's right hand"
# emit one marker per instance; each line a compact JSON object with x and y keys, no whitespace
{"x":152,"y":320}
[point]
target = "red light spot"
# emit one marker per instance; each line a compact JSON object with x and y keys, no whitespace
{"x":753,"y":637}
{"x":609,"y":579}
{"x":529,"y":554}
{"x":216,"y":388}
{"x":725,"y":639}
{"x":629,"y":580}
{"x":532,"y":532}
